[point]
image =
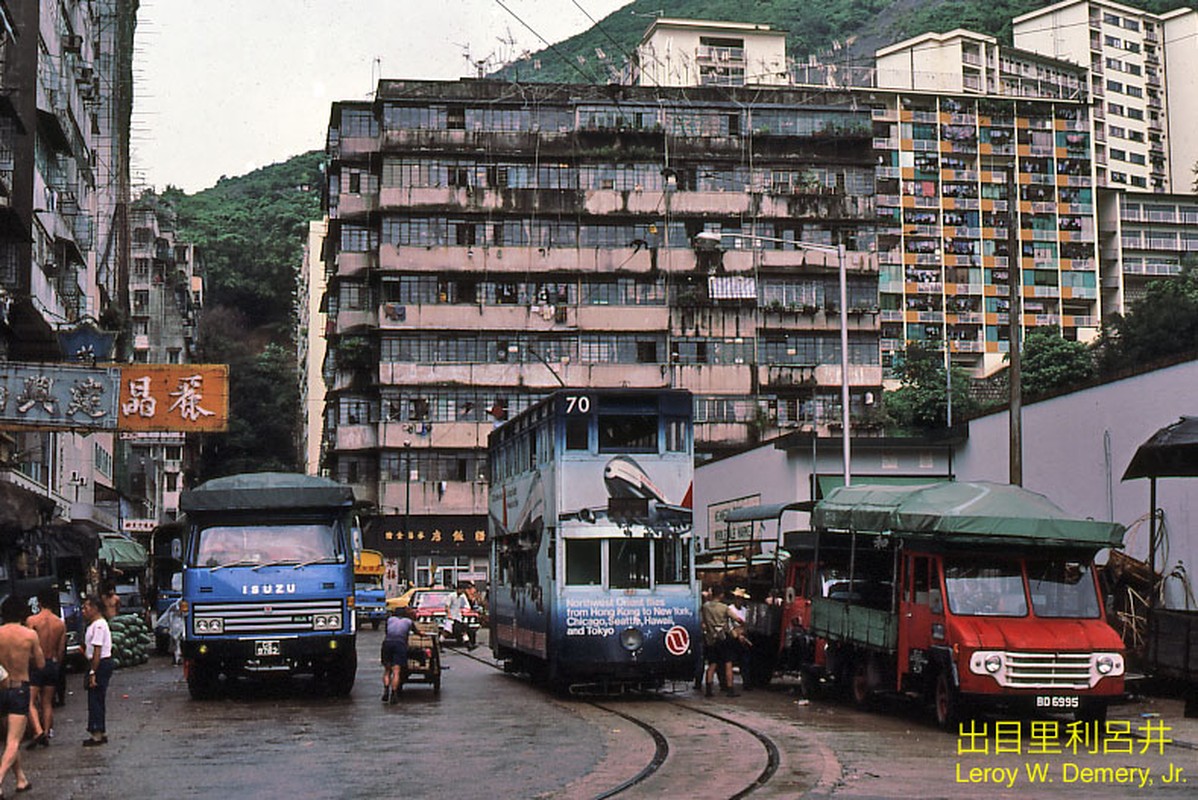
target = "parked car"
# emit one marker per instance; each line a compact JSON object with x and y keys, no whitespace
{"x":431,"y":606}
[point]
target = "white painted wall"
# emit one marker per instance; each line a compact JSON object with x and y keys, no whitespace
{"x":1065,"y":455}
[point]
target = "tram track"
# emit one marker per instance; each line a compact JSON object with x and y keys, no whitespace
{"x":681,"y":750}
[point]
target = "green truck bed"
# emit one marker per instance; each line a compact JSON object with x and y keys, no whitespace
{"x":838,"y":621}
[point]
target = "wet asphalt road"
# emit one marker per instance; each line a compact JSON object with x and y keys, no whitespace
{"x":488,"y":734}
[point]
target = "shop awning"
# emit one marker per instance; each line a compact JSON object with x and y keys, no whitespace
{"x":121,"y":552}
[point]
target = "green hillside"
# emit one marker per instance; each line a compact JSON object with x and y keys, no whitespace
{"x":852,"y":29}
{"x":251,"y":231}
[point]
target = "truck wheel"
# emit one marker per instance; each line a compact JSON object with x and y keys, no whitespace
{"x":1095,"y":713}
{"x":859,"y":685}
{"x":947,"y":703}
{"x":339,"y":678}
{"x":202,"y":681}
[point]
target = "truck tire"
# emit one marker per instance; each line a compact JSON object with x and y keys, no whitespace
{"x":202,"y":681}
{"x":859,"y":688}
{"x":339,"y":678}
{"x":946,"y":701}
{"x":1095,"y":712}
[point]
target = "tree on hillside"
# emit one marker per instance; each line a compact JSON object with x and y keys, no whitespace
{"x":263,"y":413}
{"x":1162,"y":323}
{"x":921,"y":401}
{"x":251,"y":232}
{"x":1051,"y":362}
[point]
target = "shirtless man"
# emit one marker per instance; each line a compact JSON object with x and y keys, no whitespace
{"x":52,"y":635}
{"x":19,"y":647}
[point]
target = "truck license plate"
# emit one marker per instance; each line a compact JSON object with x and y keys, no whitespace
{"x":1056,"y":702}
{"x":268,"y":648}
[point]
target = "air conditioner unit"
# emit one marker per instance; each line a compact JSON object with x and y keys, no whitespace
{"x":72,"y":43}
{"x":86,"y":73}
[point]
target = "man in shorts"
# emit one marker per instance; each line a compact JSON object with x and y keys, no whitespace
{"x":395,"y":652}
{"x":19,"y":648}
{"x":52,"y":635}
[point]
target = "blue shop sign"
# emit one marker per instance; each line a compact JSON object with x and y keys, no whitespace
{"x":59,"y":396}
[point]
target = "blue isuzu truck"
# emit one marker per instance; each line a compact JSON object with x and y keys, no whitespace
{"x":268,"y":580}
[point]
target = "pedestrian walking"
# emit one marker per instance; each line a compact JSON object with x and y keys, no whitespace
{"x":19,"y":648}
{"x":97,"y":644}
{"x":714,"y":618}
{"x":395,"y":652}
{"x":455,"y":610}
{"x":739,"y":646}
{"x":700,"y":663}
{"x":52,"y":635}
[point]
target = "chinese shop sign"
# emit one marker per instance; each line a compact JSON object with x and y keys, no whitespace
{"x":59,"y":396}
{"x":174,"y":397}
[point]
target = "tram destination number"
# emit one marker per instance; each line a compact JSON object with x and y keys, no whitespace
{"x":578,"y":404}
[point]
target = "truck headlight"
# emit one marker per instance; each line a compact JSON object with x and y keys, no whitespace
{"x":631,"y":639}
{"x":326,"y":622}
{"x":209,"y":625}
{"x":993,"y":663}
{"x":1109,"y":664}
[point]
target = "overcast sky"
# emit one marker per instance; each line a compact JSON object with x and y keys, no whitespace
{"x":225,"y":86}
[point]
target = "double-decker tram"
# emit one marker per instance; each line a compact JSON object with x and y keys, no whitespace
{"x":592,"y":555}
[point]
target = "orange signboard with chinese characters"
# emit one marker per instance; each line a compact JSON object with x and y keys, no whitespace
{"x":174,"y":397}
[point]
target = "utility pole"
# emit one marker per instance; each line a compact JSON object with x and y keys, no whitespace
{"x":1014,"y":318}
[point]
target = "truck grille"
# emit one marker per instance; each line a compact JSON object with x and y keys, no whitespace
{"x":1048,"y":670}
{"x":281,"y":616}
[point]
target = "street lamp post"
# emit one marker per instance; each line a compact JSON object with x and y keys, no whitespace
{"x":842,"y":269}
{"x":407,"y":509}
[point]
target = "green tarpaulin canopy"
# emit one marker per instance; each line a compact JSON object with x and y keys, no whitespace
{"x":974,"y":512}
{"x":121,"y":552}
{"x":266,"y":490}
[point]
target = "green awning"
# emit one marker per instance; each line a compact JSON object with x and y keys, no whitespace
{"x":975,"y":512}
{"x":826,"y":483}
{"x":121,"y":552}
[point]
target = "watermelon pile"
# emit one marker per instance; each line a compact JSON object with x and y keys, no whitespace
{"x":131,"y":640}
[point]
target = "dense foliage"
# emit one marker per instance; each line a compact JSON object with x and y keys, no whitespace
{"x":1052,"y":363}
{"x":251,"y":231}
{"x":920,"y":403}
{"x":1162,"y":324}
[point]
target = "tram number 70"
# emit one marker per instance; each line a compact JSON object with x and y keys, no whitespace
{"x":578,"y":403}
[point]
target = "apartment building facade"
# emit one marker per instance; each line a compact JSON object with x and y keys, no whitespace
{"x":488,"y":244}
{"x":986,"y":172}
{"x":1144,"y":79}
{"x":688,"y":52}
{"x":65,"y":83}
{"x":166,"y":291}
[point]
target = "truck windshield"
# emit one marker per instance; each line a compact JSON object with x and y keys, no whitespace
{"x":1062,"y":588}
{"x":258,"y":545}
{"x":984,"y":588}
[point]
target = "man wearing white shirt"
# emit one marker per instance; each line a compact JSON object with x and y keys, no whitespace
{"x":97,"y":644}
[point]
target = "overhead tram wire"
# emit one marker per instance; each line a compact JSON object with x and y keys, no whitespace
{"x":587,"y":78}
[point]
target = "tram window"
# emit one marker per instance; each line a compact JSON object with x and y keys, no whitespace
{"x":670,"y":561}
{"x":628,"y":434}
{"x":576,"y":433}
{"x":628,"y":564}
{"x":584,"y":562}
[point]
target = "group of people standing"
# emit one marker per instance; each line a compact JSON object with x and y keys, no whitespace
{"x":32,"y":651}
{"x":725,"y":640}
